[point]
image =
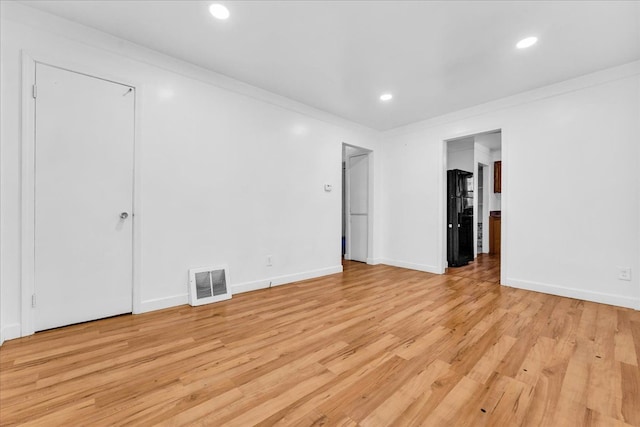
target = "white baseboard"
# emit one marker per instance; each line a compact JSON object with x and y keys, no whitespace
{"x":166,"y":302}
{"x":10,"y":332}
{"x":600,"y":297}
{"x":175,"y":300}
{"x":412,"y":266}
{"x":283,"y":280}
{"x":374,"y":261}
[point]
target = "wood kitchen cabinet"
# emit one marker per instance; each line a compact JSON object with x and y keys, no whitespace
{"x":497,"y":177}
{"x":495,"y":232}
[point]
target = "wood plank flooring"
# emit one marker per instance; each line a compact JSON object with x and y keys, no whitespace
{"x":374,"y":346}
{"x":485,"y":268}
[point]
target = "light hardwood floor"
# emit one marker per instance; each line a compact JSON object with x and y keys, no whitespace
{"x":374,"y":346}
{"x":485,"y":268}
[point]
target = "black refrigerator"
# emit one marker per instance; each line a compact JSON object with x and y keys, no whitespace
{"x":459,"y":217}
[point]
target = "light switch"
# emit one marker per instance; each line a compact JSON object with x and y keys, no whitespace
{"x":328,"y":187}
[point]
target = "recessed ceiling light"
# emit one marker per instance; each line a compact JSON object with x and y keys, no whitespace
{"x":386,"y":97}
{"x":528,"y":42}
{"x":219,"y":11}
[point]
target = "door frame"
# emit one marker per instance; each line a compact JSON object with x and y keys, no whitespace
{"x":27,"y":216}
{"x":484,"y":212}
{"x":504,"y":196}
{"x":347,"y":208}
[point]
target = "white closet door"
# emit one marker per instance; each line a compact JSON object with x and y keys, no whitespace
{"x":359,"y":206}
{"x":83,"y":198}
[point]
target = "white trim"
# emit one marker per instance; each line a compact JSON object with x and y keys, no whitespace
{"x":162,"y":303}
{"x":563,"y":291}
{"x":505,"y":209}
{"x":29,"y":60}
{"x":412,"y":266}
{"x":441,"y":237}
{"x":137,"y":201}
{"x":10,"y":332}
{"x":347,"y":197}
{"x":370,"y":202}
{"x":183,"y":299}
{"x":638,"y":178}
{"x":373,"y":261}
{"x":283,"y":280}
{"x":27,"y":194}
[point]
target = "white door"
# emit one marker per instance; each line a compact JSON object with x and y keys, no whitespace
{"x":83,"y":198}
{"x":358,"y":207}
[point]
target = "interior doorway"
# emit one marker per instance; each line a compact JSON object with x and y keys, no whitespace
{"x":473,"y":204}
{"x":356,"y":198}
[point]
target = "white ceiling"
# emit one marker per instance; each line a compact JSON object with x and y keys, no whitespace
{"x":339,"y":56}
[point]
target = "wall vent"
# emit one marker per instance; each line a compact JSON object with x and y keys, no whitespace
{"x":208,"y":284}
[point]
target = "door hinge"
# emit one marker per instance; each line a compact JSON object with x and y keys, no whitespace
{"x":33,"y":301}
{"x":35,"y":91}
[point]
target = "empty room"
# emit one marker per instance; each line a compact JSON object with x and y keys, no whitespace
{"x":306,"y":213}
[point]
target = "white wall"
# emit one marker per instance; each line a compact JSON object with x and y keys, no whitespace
{"x":482,"y":155}
{"x":571,"y":192}
{"x":460,"y":154}
{"x":495,"y":199}
{"x":493,"y":141}
{"x":226,"y":177}
{"x":462,"y":160}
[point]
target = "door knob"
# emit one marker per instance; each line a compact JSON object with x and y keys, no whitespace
{"x":124,"y":215}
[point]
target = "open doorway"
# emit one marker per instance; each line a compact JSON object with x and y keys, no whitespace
{"x":482,"y":224}
{"x":473,"y":207}
{"x":356,"y":215}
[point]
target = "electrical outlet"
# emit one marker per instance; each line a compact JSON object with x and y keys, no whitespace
{"x":269,"y":260}
{"x":624,"y":273}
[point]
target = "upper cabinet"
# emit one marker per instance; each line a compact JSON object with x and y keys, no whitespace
{"x":497,"y":177}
